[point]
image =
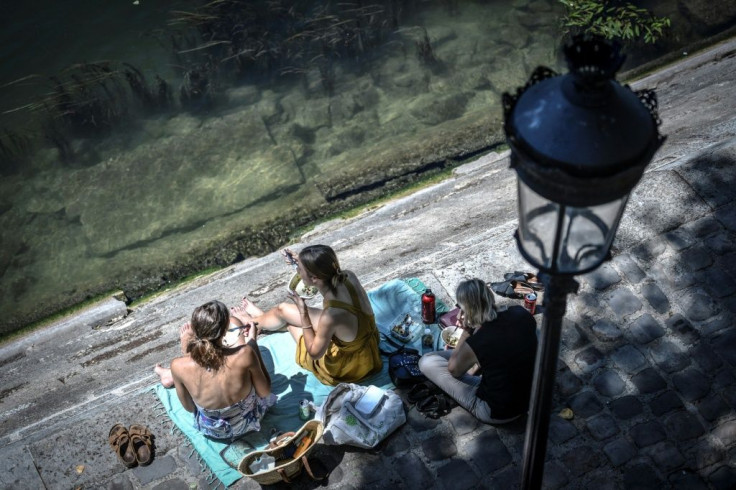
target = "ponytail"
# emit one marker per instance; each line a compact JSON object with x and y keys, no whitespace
{"x":321,"y":261}
{"x":209,"y":323}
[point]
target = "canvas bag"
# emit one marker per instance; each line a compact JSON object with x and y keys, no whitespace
{"x":344,"y":424}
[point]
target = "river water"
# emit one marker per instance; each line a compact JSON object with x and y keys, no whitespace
{"x":171,"y":192}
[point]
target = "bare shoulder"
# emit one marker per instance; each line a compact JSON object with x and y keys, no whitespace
{"x":182,"y":364}
{"x":246,"y":356}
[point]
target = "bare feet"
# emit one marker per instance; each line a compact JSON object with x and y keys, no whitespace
{"x":250,"y":308}
{"x":165,"y":374}
{"x":241,"y":314}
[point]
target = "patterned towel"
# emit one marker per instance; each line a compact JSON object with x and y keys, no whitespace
{"x":390,"y":302}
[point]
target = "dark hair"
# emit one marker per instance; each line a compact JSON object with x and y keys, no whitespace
{"x":321,"y":261}
{"x":209,"y":323}
{"x":477,"y":301}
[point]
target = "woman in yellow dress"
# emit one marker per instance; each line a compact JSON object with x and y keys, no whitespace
{"x":339,"y":342}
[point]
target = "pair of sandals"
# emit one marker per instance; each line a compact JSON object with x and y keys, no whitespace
{"x":517,"y":284}
{"x":430,"y":401}
{"x":134,"y":446}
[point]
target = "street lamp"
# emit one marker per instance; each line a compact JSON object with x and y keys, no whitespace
{"x":579,"y":143}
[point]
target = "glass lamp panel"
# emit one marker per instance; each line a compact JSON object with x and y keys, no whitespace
{"x":587,"y":234}
{"x":566,"y":239}
{"x":538,"y":223}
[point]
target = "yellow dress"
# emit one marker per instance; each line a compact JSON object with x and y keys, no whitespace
{"x":346,"y":362}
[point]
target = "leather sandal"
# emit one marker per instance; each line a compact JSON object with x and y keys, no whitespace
{"x":120,"y":442}
{"x":142,"y":442}
{"x":436,"y":406}
{"x":421,"y":391}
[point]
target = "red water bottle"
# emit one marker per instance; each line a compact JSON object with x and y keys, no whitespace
{"x":428,"y":309}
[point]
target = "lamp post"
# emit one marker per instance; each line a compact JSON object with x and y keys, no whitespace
{"x":579,"y":143}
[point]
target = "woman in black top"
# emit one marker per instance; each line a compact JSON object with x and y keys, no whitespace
{"x":490,"y":371}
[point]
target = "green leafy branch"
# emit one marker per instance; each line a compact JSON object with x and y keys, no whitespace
{"x":614,"y":19}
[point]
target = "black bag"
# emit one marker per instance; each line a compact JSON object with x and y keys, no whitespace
{"x":403,"y":367}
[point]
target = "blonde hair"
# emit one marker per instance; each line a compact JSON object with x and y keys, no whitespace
{"x":321,"y":261}
{"x":209,"y":323}
{"x":477,"y":302}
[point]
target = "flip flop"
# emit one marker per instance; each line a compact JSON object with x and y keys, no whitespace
{"x":436,"y":406}
{"x":120,"y":442}
{"x":506,"y":288}
{"x":517,"y":276}
{"x":142,"y":441}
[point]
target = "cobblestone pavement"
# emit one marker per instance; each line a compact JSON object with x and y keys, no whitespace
{"x":646,"y":363}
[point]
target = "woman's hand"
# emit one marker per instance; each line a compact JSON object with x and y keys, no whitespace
{"x":289,"y":256}
{"x":250,"y":331}
{"x":185,"y":335}
{"x":299,"y":302}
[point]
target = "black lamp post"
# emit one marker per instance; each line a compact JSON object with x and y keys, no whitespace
{"x":580,"y":143}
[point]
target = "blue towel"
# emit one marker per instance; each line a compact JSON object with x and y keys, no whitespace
{"x":391,"y":302}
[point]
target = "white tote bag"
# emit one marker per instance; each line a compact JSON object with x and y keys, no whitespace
{"x":360,"y":416}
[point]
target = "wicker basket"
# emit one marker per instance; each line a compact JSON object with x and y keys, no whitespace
{"x":286,"y":468}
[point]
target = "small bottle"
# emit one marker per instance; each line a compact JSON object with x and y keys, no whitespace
{"x":428,"y":307}
{"x":530,"y":302}
{"x":427,"y":339}
{"x":304,"y":412}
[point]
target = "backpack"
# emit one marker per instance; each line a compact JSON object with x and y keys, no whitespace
{"x":403,"y":367}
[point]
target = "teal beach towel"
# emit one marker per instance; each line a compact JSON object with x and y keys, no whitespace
{"x":391,"y":302}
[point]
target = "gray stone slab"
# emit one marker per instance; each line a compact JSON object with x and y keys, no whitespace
{"x":585,"y":404}
{"x":725,"y":345}
{"x":696,"y":258}
{"x":668,"y":356}
{"x":691,"y":384}
{"x":602,"y":427}
{"x":647,"y":433}
{"x":726,"y":432}
{"x":641,"y":475}
{"x":665,"y":402}
{"x":17,"y":469}
{"x":698,"y":306}
{"x":655,"y":297}
{"x":624,"y":302}
{"x":723,"y":478}
{"x":629,"y":359}
{"x":608,"y":383}
{"x":721,"y":242}
{"x":619,"y":451}
{"x":457,"y":474}
{"x":603,"y":277}
{"x":413,"y":471}
{"x":666,"y":456}
{"x":648,"y":381}
{"x":439,"y":447}
{"x":682,"y":329}
{"x":161,"y":467}
{"x":683,"y":425}
{"x":488,"y":452}
{"x":589,"y":359}
{"x":679,"y":239}
{"x":629,"y":268}
{"x":717,"y":281}
{"x":712,"y":174}
{"x":713,"y":407}
{"x":645,"y":329}
{"x":581,"y":460}
{"x":625,"y":407}
{"x":686,"y":480}
{"x":659,"y":207}
{"x":606,"y":330}
{"x":567,"y":382}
